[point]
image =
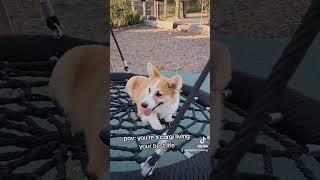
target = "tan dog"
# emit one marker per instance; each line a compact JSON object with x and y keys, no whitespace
{"x":220,"y":78}
{"x":156,"y":95}
{"x":79,"y":85}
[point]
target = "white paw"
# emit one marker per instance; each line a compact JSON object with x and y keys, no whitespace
{"x":156,"y":127}
{"x":168,"y":119}
{"x":144,"y":119}
{"x":155,"y":124}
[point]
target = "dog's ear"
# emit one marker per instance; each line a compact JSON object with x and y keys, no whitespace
{"x":152,"y":71}
{"x":175,"y":82}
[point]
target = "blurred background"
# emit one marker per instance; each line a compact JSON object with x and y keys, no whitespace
{"x":78,"y":18}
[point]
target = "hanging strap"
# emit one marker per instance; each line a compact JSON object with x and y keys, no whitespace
{"x":52,"y":20}
{"x":125,"y":65}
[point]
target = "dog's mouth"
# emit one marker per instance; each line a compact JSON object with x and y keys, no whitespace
{"x":147,"y":111}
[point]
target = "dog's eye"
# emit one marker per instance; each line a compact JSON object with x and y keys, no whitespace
{"x":158,"y":94}
{"x":149,"y":90}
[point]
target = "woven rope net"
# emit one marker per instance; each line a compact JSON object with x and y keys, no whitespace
{"x":125,"y":123}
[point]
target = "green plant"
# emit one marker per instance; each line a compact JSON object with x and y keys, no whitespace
{"x":142,"y":18}
{"x":194,"y":9}
{"x":121,"y":15}
{"x":172,"y":2}
{"x":195,"y":5}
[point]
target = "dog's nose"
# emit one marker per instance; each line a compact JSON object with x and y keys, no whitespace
{"x":144,"y":105}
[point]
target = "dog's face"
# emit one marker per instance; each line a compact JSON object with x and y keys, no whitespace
{"x":160,"y":91}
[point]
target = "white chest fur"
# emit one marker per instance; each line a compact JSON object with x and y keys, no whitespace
{"x":168,"y":109}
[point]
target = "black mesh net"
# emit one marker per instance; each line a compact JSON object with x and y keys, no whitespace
{"x":273,"y":154}
{"x":125,"y":123}
{"x":36,"y":142}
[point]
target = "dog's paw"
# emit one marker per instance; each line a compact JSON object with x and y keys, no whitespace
{"x":168,"y":119}
{"x":144,"y":119}
{"x":156,"y":126}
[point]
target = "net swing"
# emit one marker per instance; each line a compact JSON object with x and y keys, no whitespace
{"x":43,"y":150}
{"x":32,"y":128}
{"x":194,"y":111}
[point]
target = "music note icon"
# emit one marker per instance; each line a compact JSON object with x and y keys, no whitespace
{"x":202,"y":140}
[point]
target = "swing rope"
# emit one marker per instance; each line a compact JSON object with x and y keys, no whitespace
{"x":125,"y":65}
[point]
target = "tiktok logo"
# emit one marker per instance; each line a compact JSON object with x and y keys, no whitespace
{"x":202,"y":140}
{"x":202,"y":146}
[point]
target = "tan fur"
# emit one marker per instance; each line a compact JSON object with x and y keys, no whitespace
{"x":79,"y":84}
{"x":221,"y":76}
{"x":137,"y":86}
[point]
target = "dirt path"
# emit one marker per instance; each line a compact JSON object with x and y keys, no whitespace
{"x":172,"y":51}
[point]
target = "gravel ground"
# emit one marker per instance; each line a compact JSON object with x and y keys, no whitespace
{"x":79,"y":18}
{"x":168,"y":50}
{"x":186,"y":52}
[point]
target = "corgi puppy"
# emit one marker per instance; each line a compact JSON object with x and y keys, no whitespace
{"x":156,"y":95}
{"x":79,"y":85}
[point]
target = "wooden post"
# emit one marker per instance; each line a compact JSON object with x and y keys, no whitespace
{"x":132,"y":5}
{"x":5,"y":17}
{"x":178,"y":9}
{"x":181,"y":9}
{"x":155,"y":8}
{"x":184,"y":8}
{"x":202,"y":4}
{"x":165,"y":8}
{"x":144,"y":6}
